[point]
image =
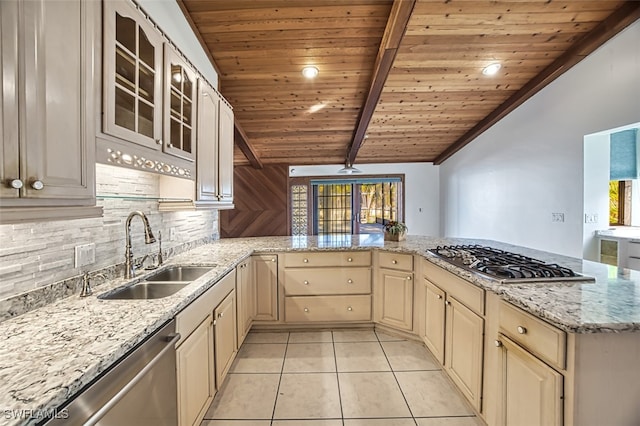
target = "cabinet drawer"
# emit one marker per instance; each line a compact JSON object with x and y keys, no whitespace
{"x":466,"y":293}
{"x":542,"y":339}
{"x":633,"y":263}
{"x":190,"y":317}
{"x":633,"y":249}
{"x":327,"y":308}
{"x":332,"y":258}
{"x":316,"y":281}
{"x":402,"y":262}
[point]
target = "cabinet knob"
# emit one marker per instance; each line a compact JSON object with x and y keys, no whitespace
{"x":349,"y":308}
{"x":37,"y":185}
{"x":306,"y":282}
{"x":221,"y":314}
{"x":447,"y":303}
{"x":273,"y":259}
{"x":349,"y":260}
{"x":439,"y":296}
{"x":170,"y":145}
{"x":305,"y":260}
{"x":306,"y":309}
{"x":16,"y":184}
{"x":395,"y":262}
{"x":349,"y":281}
{"x":498,"y":343}
{"x":522,"y":330}
{"x":159,"y":141}
{"x":409,"y":278}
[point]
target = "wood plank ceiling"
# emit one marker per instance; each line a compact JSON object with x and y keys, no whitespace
{"x":435,"y":98}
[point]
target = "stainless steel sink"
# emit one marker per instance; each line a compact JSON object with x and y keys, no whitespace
{"x":159,"y":285}
{"x":145,"y":290}
{"x":180,"y":273}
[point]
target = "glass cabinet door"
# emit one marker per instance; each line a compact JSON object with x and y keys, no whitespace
{"x":132,"y":76}
{"x":179,"y":120}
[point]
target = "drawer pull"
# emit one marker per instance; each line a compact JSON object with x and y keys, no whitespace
{"x":305,"y":260}
{"x":522,"y":330}
{"x":349,"y":308}
{"x":395,"y":262}
{"x":306,"y":309}
{"x":306,"y":282}
{"x":349,"y":281}
{"x":349,"y":260}
{"x":498,"y":343}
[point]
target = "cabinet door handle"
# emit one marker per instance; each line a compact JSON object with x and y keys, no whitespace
{"x":16,"y":184}
{"x":349,"y":281}
{"x":273,"y":259}
{"x":37,"y":185}
{"x":409,"y":278}
{"x":305,"y":260}
{"x":522,"y":330}
{"x":438,"y":296}
{"x":498,"y":343}
{"x":221,"y":314}
{"x":306,"y":309}
{"x":349,"y":308}
{"x":170,"y":145}
{"x":306,"y":282}
{"x":159,"y":141}
{"x":447,"y":303}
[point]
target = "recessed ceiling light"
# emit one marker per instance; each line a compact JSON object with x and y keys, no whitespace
{"x":310,"y":72}
{"x":491,"y":69}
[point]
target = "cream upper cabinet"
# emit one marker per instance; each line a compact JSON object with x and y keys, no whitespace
{"x":179,"y":106}
{"x":47,"y":111}
{"x":225,"y":154}
{"x":207,"y":158}
{"x":265,"y":279}
{"x":132,"y":76}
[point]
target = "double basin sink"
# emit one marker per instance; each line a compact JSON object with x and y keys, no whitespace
{"x":161,"y":284}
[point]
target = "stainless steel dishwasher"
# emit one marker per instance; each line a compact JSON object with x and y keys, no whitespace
{"x":138,"y":390}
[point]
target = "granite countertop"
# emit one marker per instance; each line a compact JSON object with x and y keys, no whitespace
{"x":48,"y":354}
{"x":620,"y":233}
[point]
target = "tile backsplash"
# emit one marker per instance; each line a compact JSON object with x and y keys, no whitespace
{"x":35,"y":255}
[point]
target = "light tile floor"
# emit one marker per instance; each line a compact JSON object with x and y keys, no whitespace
{"x":336,"y":378}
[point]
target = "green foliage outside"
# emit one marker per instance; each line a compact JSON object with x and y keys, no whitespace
{"x":614,"y":198}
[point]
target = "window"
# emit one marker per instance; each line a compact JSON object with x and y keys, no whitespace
{"x":620,"y":202}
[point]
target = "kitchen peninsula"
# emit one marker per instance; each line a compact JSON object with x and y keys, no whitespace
{"x":51,"y":353}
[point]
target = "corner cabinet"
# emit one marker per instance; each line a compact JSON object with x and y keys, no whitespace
{"x":47,"y":112}
{"x":394,"y":295}
{"x":245,"y":293}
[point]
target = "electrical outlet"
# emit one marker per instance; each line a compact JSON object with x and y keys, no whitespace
{"x":557,"y":217}
{"x":591,"y":218}
{"x":172,"y":234}
{"x":85,"y":254}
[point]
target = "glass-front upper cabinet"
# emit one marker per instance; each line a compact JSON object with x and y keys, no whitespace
{"x":180,"y":106}
{"x":132,"y":76}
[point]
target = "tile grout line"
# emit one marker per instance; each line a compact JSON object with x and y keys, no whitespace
{"x":275,"y":402}
{"x":335,"y":363}
{"x":396,"y":378}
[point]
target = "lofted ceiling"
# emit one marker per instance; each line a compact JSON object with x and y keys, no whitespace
{"x":398,"y":81}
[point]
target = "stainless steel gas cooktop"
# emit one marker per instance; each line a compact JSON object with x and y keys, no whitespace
{"x":504,"y":266}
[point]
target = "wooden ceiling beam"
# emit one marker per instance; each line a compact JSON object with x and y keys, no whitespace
{"x":628,"y":13}
{"x":394,"y":31}
{"x":242,"y":141}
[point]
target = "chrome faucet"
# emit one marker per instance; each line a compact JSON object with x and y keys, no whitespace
{"x":130,"y":270}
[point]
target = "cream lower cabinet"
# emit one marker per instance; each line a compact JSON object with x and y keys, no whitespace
{"x":452,"y":327}
{"x":196,"y":387}
{"x":225,"y":335}
{"x":532,"y":392}
{"x":265,"y":279}
{"x":245,"y":294}
{"x":327,"y":287}
{"x":395,"y":299}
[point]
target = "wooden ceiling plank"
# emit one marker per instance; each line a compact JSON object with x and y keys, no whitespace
{"x":394,"y":31}
{"x":628,"y":13}
{"x":242,"y":142}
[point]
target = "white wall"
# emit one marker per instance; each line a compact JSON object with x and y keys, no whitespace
{"x":168,"y":16}
{"x":506,"y":183}
{"x":596,"y":190}
{"x":422,"y":210}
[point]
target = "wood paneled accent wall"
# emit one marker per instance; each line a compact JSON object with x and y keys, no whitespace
{"x":262,"y":203}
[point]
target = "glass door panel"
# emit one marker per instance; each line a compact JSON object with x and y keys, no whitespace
{"x":179,"y":135}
